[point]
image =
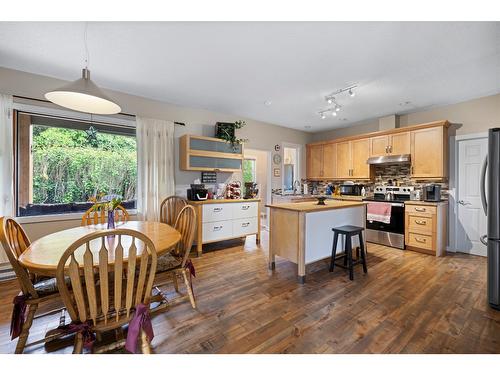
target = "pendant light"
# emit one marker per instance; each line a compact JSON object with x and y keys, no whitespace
{"x":83,"y":95}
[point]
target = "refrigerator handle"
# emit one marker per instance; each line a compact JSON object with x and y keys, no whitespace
{"x":483,"y":185}
{"x":484,"y":239}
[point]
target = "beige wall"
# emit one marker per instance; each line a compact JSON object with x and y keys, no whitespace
{"x":473,"y":116}
{"x":260,"y":135}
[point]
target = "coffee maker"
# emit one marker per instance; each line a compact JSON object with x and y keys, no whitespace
{"x":432,"y":192}
{"x":198,"y":192}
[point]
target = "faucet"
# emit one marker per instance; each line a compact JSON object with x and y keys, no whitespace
{"x":296,"y":187}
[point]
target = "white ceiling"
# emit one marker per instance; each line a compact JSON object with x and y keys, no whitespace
{"x":236,"y":67}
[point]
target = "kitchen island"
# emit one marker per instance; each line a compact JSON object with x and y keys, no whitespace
{"x":302,"y":232}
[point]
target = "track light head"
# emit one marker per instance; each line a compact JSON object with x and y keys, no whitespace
{"x":334,"y":113}
{"x":351,"y":93}
{"x":337,"y":108}
{"x":323,"y":116}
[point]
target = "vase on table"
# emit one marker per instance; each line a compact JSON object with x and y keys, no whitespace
{"x":111,"y":219}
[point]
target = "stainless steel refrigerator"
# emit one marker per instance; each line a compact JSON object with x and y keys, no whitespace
{"x":490,"y":196}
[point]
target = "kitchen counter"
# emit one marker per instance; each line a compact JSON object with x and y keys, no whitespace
{"x":331,"y":204}
{"x":302,"y":232}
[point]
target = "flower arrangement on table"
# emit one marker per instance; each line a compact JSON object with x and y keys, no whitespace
{"x":107,"y":203}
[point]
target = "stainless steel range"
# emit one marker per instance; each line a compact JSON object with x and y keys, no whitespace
{"x":392,"y":233}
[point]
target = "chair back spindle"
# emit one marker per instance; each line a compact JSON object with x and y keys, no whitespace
{"x":93,"y":217}
{"x":128,"y":256}
{"x":15,"y":241}
{"x":170,"y":209}
{"x":186,"y":225}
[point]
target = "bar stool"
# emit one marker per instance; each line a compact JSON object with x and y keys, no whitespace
{"x":349,"y":231}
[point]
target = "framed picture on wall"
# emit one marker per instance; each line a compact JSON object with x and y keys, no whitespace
{"x":277,"y":172}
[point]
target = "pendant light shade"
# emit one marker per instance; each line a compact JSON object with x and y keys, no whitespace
{"x":85,"y":96}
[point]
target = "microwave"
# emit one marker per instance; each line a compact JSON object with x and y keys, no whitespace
{"x":353,"y":189}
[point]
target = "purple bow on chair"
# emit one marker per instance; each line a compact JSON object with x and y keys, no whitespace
{"x":192,"y":273}
{"x":141,"y":319}
{"x":18,"y":316}
{"x":84,"y":329}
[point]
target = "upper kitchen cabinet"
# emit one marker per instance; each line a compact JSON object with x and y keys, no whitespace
{"x":321,"y":161}
{"x":344,"y":156}
{"x":199,"y":153}
{"x":390,"y":144}
{"x":360,"y":152}
{"x":399,"y":143}
{"x":429,"y":151}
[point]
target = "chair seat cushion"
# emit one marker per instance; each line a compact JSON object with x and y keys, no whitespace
{"x":46,"y":287}
{"x":168,"y":262}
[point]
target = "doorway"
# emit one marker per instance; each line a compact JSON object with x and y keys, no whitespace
{"x":256,"y":168}
{"x":470,"y":222}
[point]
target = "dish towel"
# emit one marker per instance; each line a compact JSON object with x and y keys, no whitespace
{"x":379,"y":212}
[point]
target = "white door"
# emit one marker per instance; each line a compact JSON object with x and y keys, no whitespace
{"x":471,"y":220}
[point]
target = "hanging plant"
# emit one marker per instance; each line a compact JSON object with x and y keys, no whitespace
{"x":227,"y":132}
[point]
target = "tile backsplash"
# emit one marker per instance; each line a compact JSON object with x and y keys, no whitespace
{"x":382,"y":174}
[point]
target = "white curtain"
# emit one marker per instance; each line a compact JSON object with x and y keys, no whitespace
{"x":6,"y":163}
{"x":155,"y":166}
{"x":6,"y":156}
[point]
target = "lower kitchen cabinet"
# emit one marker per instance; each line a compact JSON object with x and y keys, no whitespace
{"x":426,"y":227}
{"x":224,"y":219}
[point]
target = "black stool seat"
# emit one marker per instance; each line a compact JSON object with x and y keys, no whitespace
{"x":349,"y":231}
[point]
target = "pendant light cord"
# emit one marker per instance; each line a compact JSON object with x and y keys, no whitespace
{"x":87,"y":57}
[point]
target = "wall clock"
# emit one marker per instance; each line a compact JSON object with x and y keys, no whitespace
{"x":277,"y":148}
{"x":277,"y":159}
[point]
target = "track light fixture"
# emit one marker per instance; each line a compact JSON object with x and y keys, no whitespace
{"x":329,"y":111}
{"x":350,"y":90}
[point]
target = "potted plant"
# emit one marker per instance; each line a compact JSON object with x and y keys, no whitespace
{"x":227,"y":132}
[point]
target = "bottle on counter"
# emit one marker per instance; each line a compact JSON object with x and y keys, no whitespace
{"x":363,"y":192}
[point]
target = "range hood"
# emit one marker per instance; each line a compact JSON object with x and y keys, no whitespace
{"x":389,"y":159}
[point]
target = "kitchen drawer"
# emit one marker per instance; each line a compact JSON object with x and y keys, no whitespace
{"x":218,"y":230}
{"x":420,"y":223}
{"x":217,"y":212}
{"x":242,"y":227}
{"x":245,"y":209}
{"x":413,"y":209}
{"x":422,"y":241}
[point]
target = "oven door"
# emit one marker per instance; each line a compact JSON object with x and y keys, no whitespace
{"x":397,"y":224}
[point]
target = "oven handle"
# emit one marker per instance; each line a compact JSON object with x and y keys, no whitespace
{"x":392,"y":203}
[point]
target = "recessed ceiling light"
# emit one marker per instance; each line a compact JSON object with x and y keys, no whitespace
{"x":268,"y":102}
{"x":307,"y":126}
{"x":402,"y":104}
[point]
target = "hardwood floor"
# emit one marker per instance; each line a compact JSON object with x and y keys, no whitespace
{"x":407,"y":303}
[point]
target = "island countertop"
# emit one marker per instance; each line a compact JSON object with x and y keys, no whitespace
{"x":313,"y":206}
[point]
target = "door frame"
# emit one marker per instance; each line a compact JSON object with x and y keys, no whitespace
{"x":269,"y":184}
{"x":453,"y":205}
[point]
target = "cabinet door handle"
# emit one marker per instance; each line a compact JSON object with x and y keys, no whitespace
{"x":244,"y":225}
{"x":217,"y":228}
{"x":217,"y":209}
{"x":420,"y":222}
{"x":411,"y":169}
{"x":386,"y":149}
{"x":421,"y":240}
{"x":245,"y":207}
{"x":420,"y":209}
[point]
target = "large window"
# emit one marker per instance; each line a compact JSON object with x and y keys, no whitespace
{"x":63,"y":163}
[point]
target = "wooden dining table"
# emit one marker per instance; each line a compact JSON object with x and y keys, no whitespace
{"x":43,"y":255}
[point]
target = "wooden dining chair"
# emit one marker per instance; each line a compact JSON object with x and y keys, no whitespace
{"x":93,"y":217}
{"x":111,"y":275}
{"x":34,"y":289}
{"x":177,"y":262}
{"x":170,"y":209}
